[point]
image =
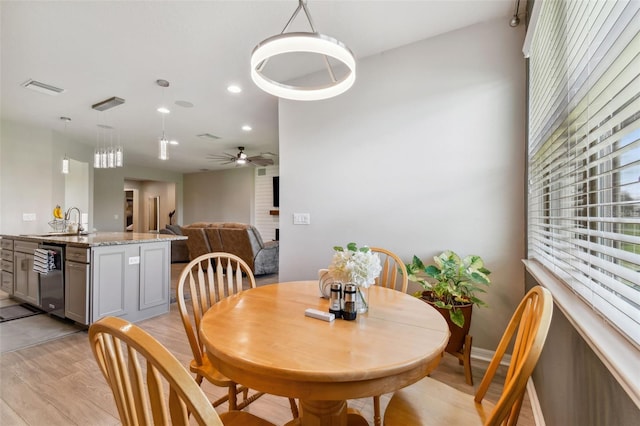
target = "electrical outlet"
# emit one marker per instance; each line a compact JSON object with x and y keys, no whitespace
{"x":301,"y":219}
{"x":28,"y":217}
{"x":134,"y":260}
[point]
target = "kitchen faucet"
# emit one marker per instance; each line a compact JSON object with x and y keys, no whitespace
{"x":67,"y":215}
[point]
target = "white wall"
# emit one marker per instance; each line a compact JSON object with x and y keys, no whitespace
{"x":424,"y":153}
{"x":31,"y":177}
{"x":219,"y":196}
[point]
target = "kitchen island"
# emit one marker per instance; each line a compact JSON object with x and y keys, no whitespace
{"x":124,"y":274}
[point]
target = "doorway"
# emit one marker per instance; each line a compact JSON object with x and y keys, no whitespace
{"x":128,"y":210}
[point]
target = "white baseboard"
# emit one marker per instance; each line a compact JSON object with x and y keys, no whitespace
{"x":486,"y":355}
{"x":538,"y":418}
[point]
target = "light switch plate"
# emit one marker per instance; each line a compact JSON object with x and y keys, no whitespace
{"x":301,"y":219}
{"x":28,"y":217}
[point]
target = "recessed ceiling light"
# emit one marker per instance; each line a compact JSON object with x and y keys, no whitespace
{"x":184,"y":104}
{"x":42,"y":87}
{"x":208,"y":136}
{"x":108,"y":103}
{"x":246,"y":128}
{"x":174,"y":142}
{"x":234,"y":88}
{"x":163,"y":110}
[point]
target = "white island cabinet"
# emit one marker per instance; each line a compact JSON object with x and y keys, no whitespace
{"x":130,"y":281}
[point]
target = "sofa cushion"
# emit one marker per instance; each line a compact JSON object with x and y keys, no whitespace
{"x":213,"y":237}
{"x":196,"y":242}
{"x":197,"y":225}
{"x":236,"y":241}
{"x":176,"y":229}
{"x":234,"y":225}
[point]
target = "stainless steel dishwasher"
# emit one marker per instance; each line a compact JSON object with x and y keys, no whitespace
{"x":52,"y":283}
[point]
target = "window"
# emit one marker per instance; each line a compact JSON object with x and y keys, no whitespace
{"x":584,"y":153}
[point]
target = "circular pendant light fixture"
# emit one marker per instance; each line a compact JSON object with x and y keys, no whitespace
{"x":303,"y":42}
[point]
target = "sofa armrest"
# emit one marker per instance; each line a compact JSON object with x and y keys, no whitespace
{"x":270,"y":244}
{"x":267,"y":259}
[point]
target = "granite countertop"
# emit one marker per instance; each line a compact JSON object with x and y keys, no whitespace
{"x":97,"y":238}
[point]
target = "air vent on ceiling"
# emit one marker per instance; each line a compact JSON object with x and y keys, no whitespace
{"x":42,"y":87}
{"x":208,"y":136}
{"x":108,"y":103}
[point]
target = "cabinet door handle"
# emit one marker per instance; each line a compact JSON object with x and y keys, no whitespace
{"x":23,"y":264}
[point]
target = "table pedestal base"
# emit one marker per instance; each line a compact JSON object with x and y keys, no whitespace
{"x":327,"y":413}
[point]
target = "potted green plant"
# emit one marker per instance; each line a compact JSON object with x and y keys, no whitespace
{"x":451,"y":286}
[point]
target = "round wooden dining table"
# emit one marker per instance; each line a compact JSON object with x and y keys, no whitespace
{"x":262,"y":339}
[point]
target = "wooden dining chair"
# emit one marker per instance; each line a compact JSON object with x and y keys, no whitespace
{"x":150,"y":386}
{"x":203,"y":282}
{"x":389,"y":278}
{"x":430,"y":402}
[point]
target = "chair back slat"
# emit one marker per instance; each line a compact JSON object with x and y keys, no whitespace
{"x":178,"y":409}
{"x":156,"y":397}
{"x":133,"y":376}
{"x":111,"y":364}
{"x":391,"y":265}
{"x":220,"y":274}
{"x":166,"y":394}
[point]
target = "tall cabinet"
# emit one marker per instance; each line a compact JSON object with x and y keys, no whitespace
{"x":76,"y":287}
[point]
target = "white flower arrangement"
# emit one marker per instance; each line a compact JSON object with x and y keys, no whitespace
{"x":355,"y":265}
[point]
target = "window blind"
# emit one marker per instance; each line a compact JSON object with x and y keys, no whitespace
{"x":584,"y":153}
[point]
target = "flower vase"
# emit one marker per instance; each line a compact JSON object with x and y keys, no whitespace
{"x":362,"y":299}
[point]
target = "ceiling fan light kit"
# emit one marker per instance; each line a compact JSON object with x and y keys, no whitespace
{"x":305,"y":42}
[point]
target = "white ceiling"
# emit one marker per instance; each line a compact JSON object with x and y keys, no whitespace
{"x":96,"y":50}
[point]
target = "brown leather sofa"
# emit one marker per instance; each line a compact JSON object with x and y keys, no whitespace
{"x":240,"y":239}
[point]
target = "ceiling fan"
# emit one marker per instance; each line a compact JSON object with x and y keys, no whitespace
{"x":240,"y":159}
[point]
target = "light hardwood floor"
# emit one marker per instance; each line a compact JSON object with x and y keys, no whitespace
{"x":58,"y":382}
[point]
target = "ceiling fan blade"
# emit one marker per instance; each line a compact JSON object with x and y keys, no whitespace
{"x":222,"y":157}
